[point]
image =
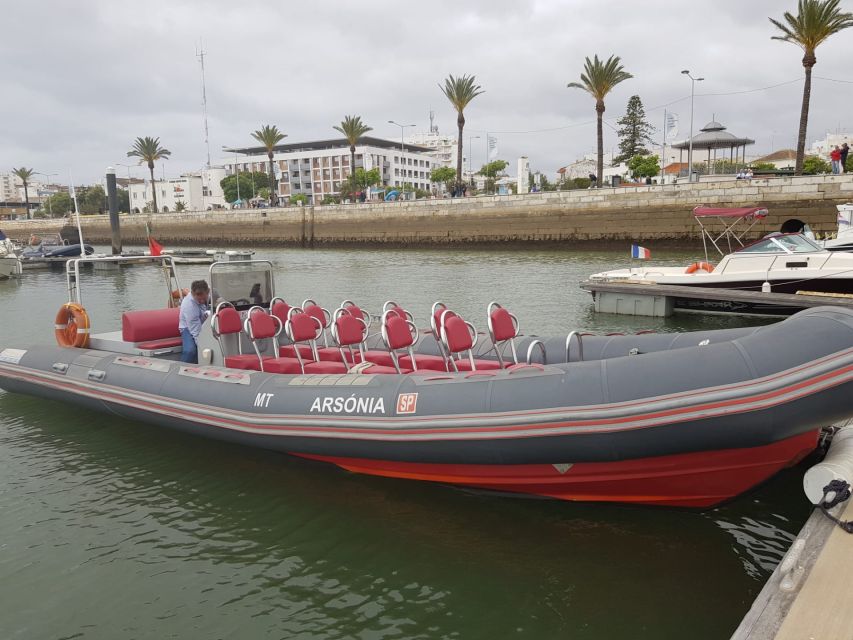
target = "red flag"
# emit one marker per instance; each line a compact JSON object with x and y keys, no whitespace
{"x":155,"y":247}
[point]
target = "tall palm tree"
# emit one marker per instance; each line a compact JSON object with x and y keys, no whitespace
{"x":815,"y":21}
{"x":149,"y":150}
{"x":25,"y":174}
{"x":598,"y":79}
{"x":270,"y":136}
{"x":353,"y":128}
{"x":460,"y":91}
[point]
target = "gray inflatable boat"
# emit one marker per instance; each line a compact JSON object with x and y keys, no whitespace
{"x":687,"y":419}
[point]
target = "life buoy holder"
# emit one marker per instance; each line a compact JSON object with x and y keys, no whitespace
{"x":72,"y":326}
{"x":699,"y":266}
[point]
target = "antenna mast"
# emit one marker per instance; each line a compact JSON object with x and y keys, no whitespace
{"x":200,"y":55}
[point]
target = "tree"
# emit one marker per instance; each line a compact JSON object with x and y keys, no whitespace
{"x":764,"y":166}
{"x":460,"y":92}
{"x":353,"y":128}
{"x":269,"y":136}
{"x":634,"y":132}
{"x":299,"y":198}
{"x":148,"y":150}
{"x":24,"y":175}
{"x":598,"y":79}
{"x":491,"y":171}
{"x":644,"y":166}
{"x":443,"y":175}
{"x":59,"y":204}
{"x":92,"y":199}
{"x":815,"y":21}
{"x":248,"y":180}
{"x":815,"y":164}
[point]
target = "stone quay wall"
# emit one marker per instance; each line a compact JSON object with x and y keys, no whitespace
{"x":647,"y":214}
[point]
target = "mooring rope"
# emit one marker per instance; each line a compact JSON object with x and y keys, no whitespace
{"x":841,"y":492}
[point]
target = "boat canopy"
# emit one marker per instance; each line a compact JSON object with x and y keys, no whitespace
{"x":725,"y":229}
{"x":737,"y":212}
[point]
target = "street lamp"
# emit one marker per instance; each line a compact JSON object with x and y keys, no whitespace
{"x":236,"y":171}
{"x":47,"y":175}
{"x":470,"y":153}
{"x":693,"y":82}
{"x":402,"y":127}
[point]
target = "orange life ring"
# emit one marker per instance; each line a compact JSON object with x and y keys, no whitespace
{"x":72,"y":326}
{"x":699,"y":266}
{"x":180,"y":294}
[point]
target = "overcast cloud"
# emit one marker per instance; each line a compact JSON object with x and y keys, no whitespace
{"x":82,"y":80}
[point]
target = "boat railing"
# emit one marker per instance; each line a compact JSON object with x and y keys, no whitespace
{"x":531,"y":346}
{"x":577,"y":335}
{"x":72,"y":271}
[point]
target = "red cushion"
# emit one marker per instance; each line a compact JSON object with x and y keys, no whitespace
{"x":350,"y":329}
{"x":503,"y":327}
{"x":262,"y":325}
{"x":430,"y":363}
{"x":326,"y":367}
{"x":379,"y":357}
{"x":165,"y":343}
{"x":282,"y":365}
{"x":227,"y":321}
{"x":316,"y":311}
{"x":280,"y":310}
{"x":463,"y":364}
{"x":302,"y":327}
{"x":246,"y":361}
{"x":153,"y":324}
{"x":398,"y":332}
{"x":457,"y":335}
{"x":289,"y":351}
{"x":333,"y":354}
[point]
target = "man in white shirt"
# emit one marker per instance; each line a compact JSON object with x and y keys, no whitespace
{"x":194,"y":310}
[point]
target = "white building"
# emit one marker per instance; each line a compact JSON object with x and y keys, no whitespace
{"x":317,"y":168}
{"x":823,"y":147}
{"x":443,"y":149}
{"x":9,"y":187}
{"x":199,"y":191}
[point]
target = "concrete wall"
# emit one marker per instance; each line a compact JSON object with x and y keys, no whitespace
{"x":649,"y":214}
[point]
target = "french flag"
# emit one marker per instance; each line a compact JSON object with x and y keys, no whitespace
{"x":640,"y":252}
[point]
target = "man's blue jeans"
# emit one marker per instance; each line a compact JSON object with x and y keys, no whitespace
{"x":189,"y":351}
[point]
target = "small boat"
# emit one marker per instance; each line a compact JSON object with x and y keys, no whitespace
{"x":688,"y":419}
{"x":843,"y":240}
{"x":10,"y":263}
{"x":53,"y":246}
{"x":779,"y":262}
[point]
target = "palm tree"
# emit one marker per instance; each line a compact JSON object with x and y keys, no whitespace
{"x":815,"y":21}
{"x":460,"y":91}
{"x":149,"y":150}
{"x":269,"y":136}
{"x":353,"y":128}
{"x":25,"y":174}
{"x":598,"y":79}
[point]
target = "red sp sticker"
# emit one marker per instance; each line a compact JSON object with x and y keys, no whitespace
{"x":407,"y":403}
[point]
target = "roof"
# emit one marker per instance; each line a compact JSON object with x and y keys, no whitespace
{"x":332,"y":143}
{"x":675,"y":167}
{"x":782,"y":154}
{"x":713,"y":136}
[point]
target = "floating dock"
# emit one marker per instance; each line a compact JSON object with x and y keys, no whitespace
{"x":662,"y":300}
{"x":809,"y":594}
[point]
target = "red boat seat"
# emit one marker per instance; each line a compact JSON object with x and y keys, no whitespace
{"x":503,"y":330}
{"x":149,"y":325}
{"x":459,"y":337}
{"x":425,"y":361}
{"x":164,"y":343}
{"x":463,"y":364}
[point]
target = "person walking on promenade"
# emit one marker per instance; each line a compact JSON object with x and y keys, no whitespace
{"x":844,"y":151}
{"x":835,"y":157}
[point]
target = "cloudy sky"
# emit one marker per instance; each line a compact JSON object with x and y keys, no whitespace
{"x":82,"y":79}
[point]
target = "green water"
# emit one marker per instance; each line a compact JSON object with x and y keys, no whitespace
{"x":115,"y":529}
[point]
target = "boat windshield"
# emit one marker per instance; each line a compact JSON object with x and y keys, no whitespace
{"x":782,"y":243}
{"x":242,"y":285}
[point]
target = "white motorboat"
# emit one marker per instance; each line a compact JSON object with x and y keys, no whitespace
{"x":10,"y":263}
{"x":779,"y":262}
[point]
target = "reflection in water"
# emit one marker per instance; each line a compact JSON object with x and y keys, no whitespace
{"x":115,"y":525}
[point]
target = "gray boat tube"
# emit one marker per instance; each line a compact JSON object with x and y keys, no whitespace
{"x":678,"y":393}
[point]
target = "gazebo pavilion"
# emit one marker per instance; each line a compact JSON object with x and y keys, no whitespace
{"x":713,"y":136}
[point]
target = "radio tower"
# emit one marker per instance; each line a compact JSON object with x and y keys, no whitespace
{"x":200,"y":55}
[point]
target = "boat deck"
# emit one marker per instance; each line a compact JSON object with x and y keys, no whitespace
{"x":808,"y":595}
